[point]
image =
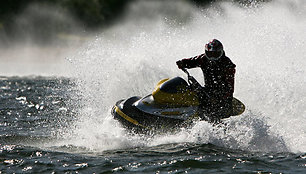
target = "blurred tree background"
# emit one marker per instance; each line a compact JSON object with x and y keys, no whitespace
{"x":40,"y":20}
{"x":23,"y":19}
{"x":92,"y":13}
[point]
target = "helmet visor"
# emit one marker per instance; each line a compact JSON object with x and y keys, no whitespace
{"x":213,"y":55}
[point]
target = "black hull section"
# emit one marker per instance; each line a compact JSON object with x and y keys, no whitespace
{"x":139,"y":122}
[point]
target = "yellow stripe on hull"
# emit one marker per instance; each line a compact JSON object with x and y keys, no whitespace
{"x":126,"y":117}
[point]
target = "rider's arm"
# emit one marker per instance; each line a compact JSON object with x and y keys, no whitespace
{"x":193,"y":62}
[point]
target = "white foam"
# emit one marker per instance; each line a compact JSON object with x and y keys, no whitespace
{"x":267,"y":43}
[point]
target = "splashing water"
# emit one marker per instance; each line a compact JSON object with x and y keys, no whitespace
{"x":267,"y":43}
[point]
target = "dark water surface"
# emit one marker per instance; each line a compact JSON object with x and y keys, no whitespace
{"x":35,"y":111}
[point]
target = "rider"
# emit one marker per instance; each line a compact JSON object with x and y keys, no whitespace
{"x":219,"y":76}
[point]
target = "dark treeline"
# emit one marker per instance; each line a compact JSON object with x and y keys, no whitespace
{"x":91,"y":13}
{"x":38,"y":20}
{"x":18,"y":18}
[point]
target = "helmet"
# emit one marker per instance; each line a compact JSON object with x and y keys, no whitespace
{"x":214,"y":49}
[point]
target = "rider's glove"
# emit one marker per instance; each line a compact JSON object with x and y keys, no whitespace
{"x":180,"y":64}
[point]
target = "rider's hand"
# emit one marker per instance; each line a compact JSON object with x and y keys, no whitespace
{"x":180,"y":64}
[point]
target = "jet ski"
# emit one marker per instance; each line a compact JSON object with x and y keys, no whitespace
{"x":173,"y":104}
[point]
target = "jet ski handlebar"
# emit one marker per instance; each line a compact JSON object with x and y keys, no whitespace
{"x":195,"y":85}
{"x":192,"y":81}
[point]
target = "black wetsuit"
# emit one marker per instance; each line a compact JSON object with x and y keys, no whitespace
{"x":219,"y":77}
